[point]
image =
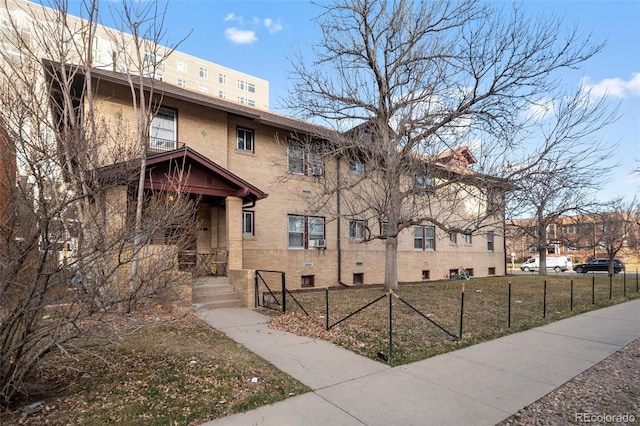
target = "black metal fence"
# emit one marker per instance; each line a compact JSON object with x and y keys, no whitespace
{"x":426,"y":314}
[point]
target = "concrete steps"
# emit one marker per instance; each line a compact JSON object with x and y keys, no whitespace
{"x":214,"y":292}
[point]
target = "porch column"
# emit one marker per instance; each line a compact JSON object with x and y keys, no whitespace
{"x":234,"y":232}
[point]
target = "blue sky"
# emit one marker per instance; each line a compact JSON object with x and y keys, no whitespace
{"x":258,"y":37}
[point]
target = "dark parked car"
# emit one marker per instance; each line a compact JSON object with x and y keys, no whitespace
{"x":599,"y":265}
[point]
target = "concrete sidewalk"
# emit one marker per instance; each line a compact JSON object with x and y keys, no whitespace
{"x":478,"y":385}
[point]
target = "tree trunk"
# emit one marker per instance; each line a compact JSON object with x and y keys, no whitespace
{"x":391,"y":263}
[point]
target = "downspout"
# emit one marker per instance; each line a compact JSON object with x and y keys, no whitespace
{"x":338,"y":227}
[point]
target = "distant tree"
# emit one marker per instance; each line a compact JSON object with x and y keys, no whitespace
{"x":615,"y":226}
{"x":67,"y":240}
{"x":413,"y":81}
{"x":563,"y":182}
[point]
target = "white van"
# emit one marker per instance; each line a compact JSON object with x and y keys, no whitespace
{"x":557,"y":263}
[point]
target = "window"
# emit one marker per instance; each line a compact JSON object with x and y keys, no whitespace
{"x":424,"y":237}
{"x":244,"y":138}
{"x":357,"y":229}
{"x":247,"y":222}
{"x":426,"y":275}
{"x":203,"y":89}
{"x":221,"y":94}
{"x":305,"y":231}
{"x":490,"y":240}
{"x":358,"y":278}
{"x":453,"y":237}
{"x":384,"y":228}
{"x":492,"y":271}
{"x":203,"y":72}
{"x":152,"y":61}
{"x":182,"y":66}
{"x":424,"y":182}
{"x":182,"y":82}
{"x":356,"y":165}
{"x":222,"y":78}
{"x":570,"y":229}
{"x":245,"y":101}
{"x":163,"y":130}
{"x":307,"y":281}
{"x":467,"y":237}
{"x":244,"y":85}
{"x":304,"y":159}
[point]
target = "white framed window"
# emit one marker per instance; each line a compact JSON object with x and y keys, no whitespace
{"x":244,"y":139}
{"x":424,"y":182}
{"x":357,"y":229}
{"x":204,"y":73}
{"x":424,"y":237}
{"x":570,"y":229}
{"x":305,"y":231}
{"x":222,"y":78}
{"x":203,"y":89}
{"x":453,"y":237}
{"x":304,"y":159}
{"x":490,"y":240}
{"x":246,"y":101}
{"x":162,"y":134}
{"x":182,"y":82}
{"x":181,"y":66}
{"x":221,"y":94}
{"x":248,"y":222}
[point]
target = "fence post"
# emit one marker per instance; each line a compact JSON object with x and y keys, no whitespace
{"x":624,"y":283}
{"x":593,"y":290}
{"x":571,"y":297}
{"x":461,"y":308}
{"x":610,"y":287}
{"x":256,"y":285}
{"x":326,"y":305}
{"x":284,"y":295}
{"x":637,"y":280}
{"x":509,"y":307}
{"x":390,"y":326}
{"x":544,"y":302}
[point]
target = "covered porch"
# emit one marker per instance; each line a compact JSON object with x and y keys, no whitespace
{"x":216,"y":248}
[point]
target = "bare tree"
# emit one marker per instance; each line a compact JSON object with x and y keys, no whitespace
{"x":575,"y":164}
{"x":68,"y":242}
{"x":417,"y":82}
{"x":614,"y":227}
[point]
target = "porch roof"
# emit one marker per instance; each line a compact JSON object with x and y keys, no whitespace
{"x":202,"y":176}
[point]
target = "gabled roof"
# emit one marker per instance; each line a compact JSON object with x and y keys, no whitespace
{"x":201,"y":175}
{"x":205,"y":176}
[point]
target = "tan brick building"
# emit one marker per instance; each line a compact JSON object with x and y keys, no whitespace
{"x":237,"y":156}
{"x":238,"y":159}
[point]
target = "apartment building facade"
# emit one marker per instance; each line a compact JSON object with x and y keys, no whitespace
{"x":237,"y":156}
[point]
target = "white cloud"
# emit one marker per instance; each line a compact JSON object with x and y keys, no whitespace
{"x":238,"y":36}
{"x":616,"y":86}
{"x":541,"y":109}
{"x":229,"y":17}
{"x":272,"y":26}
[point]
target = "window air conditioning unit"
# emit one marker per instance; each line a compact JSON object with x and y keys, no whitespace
{"x":317,"y":243}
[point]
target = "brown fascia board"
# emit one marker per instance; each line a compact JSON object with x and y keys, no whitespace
{"x":207,"y":163}
{"x":168,"y":90}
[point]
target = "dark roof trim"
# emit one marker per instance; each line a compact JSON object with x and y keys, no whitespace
{"x":249,"y":191}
